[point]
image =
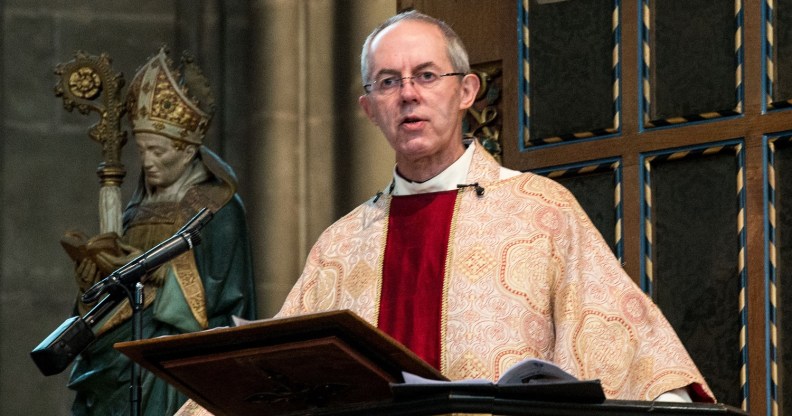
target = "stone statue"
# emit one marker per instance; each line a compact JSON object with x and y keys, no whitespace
{"x":169,"y":111}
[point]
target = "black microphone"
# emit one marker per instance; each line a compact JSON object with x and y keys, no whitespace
{"x":184,"y":240}
{"x":479,"y":189}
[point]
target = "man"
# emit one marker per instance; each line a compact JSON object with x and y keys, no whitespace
{"x":472,"y":266}
{"x":169,"y":110}
{"x":479,"y":266}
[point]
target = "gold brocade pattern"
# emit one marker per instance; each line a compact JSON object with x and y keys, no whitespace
{"x":475,"y":263}
{"x":189,"y":279}
{"x":449,"y":261}
{"x":380,"y":250}
{"x":358,"y":278}
{"x":601,"y":343}
{"x":468,"y":364}
{"x":528,"y":276}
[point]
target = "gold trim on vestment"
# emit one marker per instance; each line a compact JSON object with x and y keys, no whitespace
{"x":447,"y":278}
{"x":381,"y":260}
{"x":189,"y":279}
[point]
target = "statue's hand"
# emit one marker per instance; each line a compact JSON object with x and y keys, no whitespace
{"x":112,"y":254}
{"x":87,"y":274}
{"x":123,"y":254}
{"x":97,"y":257}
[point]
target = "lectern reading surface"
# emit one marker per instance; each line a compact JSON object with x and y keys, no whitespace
{"x":295,"y":365}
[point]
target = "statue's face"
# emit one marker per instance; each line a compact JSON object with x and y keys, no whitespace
{"x":163,"y":164}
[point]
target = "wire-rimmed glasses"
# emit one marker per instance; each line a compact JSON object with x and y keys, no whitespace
{"x":387,"y":84}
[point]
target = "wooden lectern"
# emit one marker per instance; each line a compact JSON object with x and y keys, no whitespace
{"x":295,"y":365}
{"x":335,"y":363}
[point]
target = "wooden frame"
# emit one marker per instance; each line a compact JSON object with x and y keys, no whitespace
{"x":496,"y":37}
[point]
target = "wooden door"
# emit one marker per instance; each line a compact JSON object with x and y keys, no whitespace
{"x":670,"y":121}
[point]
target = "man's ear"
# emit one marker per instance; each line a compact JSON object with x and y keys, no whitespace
{"x":470,"y":87}
{"x":365,"y":103}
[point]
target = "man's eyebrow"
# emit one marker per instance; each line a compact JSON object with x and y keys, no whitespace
{"x":416,"y":69}
{"x":382,"y":72}
{"x":423,"y":66}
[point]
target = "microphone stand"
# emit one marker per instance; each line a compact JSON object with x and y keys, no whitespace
{"x":136,"y":387}
{"x":136,"y":300}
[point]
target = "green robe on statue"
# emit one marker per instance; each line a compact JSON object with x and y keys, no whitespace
{"x":221,"y":263}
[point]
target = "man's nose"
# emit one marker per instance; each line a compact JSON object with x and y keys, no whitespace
{"x":408,"y":89}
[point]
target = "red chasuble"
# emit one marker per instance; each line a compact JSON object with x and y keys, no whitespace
{"x":419,"y":227}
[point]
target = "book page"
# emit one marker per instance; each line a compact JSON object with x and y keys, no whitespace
{"x":534,"y":370}
{"x":410,"y":378}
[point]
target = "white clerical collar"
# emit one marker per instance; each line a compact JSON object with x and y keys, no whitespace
{"x":444,"y":181}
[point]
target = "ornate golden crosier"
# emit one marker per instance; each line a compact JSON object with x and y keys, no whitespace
{"x":88,"y":83}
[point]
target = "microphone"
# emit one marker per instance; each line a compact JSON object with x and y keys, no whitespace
{"x":184,"y":240}
{"x":479,"y":189}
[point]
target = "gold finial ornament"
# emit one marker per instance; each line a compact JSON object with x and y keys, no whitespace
{"x":88,"y":83}
{"x":173,"y":102}
{"x":85,"y":83}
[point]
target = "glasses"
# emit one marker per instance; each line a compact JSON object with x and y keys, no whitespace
{"x":387,"y":85}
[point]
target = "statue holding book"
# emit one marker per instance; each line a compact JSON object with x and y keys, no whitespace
{"x":169,"y":110}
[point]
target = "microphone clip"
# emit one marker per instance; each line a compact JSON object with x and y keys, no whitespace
{"x":478,"y":188}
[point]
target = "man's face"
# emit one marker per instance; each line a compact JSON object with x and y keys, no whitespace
{"x":419,"y":123}
{"x":163,"y":164}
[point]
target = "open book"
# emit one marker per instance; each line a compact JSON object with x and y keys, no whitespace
{"x":531,"y":379}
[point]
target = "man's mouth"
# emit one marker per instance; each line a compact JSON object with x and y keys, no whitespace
{"x":411,"y":121}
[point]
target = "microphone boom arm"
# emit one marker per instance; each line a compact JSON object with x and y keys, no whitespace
{"x":127,"y":275}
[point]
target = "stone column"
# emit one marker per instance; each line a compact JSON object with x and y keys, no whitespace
{"x":312,"y":151}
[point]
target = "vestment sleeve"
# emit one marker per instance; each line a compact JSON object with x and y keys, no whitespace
{"x":606,"y":327}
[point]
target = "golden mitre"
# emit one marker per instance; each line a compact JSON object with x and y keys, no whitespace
{"x":173,"y":102}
